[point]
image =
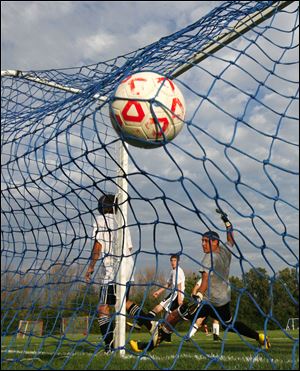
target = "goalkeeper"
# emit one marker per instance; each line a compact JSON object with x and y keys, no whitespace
{"x":104,"y":246}
{"x":214,"y":290}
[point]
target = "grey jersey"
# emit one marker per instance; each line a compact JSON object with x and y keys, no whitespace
{"x":217,"y":265}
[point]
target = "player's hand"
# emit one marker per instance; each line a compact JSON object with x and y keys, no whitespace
{"x":155,"y":294}
{"x":198,"y":297}
{"x":224,"y":218}
{"x":88,"y":275}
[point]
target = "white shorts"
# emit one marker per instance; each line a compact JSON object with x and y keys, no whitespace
{"x":170,"y":302}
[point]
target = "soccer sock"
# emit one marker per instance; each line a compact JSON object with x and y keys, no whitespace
{"x":107,"y":329}
{"x":193,"y":331}
{"x":151,"y":314}
{"x":136,"y":310}
{"x":216,"y":329}
{"x":245,"y":330}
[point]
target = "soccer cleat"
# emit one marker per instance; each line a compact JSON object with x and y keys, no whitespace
{"x":153,"y":327}
{"x":216,"y":338}
{"x":158,"y":336}
{"x":135,"y":346}
{"x":264,"y":341}
{"x":134,"y":325}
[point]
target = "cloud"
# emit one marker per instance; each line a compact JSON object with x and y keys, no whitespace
{"x":217,"y":157}
{"x":94,"y":45}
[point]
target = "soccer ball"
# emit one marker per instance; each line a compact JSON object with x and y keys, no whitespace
{"x":148,"y":110}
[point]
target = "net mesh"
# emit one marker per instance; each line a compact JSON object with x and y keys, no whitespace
{"x":238,"y":151}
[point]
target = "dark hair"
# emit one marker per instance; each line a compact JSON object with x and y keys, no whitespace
{"x":212,"y":235}
{"x":107,"y":204}
{"x":175,"y":256}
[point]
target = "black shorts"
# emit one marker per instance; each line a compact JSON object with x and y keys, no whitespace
{"x":108,"y":294}
{"x":217,"y":313}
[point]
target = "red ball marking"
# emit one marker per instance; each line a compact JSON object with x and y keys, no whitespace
{"x":163,"y":127}
{"x":176,"y":102}
{"x":126,"y":79}
{"x":160,"y":79}
{"x":132,"y":84}
{"x":139,"y":110}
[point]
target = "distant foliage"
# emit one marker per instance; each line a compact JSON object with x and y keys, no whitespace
{"x":259,"y":295}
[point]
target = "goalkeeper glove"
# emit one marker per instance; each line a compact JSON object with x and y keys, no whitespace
{"x":224,"y":218}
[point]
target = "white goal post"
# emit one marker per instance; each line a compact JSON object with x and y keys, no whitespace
{"x":30,"y":328}
{"x":292,"y":324}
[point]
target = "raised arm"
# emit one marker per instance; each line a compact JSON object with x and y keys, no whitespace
{"x":229,"y":228}
{"x":94,"y":257}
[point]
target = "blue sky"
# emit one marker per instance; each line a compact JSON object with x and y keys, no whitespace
{"x":52,"y":35}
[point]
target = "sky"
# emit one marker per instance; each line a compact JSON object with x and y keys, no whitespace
{"x":59,"y":34}
{"x":53,"y":35}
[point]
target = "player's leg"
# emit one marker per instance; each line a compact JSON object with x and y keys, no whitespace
{"x":187,"y":311}
{"x":130,"y":321}
{"x":155,"y":311}
{"x":169,"y":304}
{"x":241,"y":328}
{"x":160,"y":334}
{"x":106,"y":324}
{"x":216,"y":330}
{"x":200,"y":322}
{"x":136,"y":313}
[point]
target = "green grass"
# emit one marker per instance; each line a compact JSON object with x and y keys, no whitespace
{"x":75,"y":353}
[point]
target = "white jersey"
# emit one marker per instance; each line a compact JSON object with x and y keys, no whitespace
{"x":176,"y":277}
{"x":105,"y":232}
{"x":217,"y":265}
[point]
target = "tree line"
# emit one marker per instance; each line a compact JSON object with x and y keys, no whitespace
{"x":258,"y":299}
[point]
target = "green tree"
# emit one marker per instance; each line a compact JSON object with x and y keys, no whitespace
{"x":285,"y":296}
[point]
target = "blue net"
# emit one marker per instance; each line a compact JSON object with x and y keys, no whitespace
{"x":238,"y":151}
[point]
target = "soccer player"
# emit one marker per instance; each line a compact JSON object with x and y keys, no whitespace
{"x":175,"y":283}
{"x":214,"y":289}
{"x":104,"y":237}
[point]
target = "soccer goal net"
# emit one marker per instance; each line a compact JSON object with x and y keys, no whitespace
{"x":75,"y":325}
{"x":237,"y":68}
{"x":30,"y":328}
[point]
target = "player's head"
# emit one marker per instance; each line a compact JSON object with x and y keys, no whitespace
{"x":107,"y":204}
{"x":210,"y":241}
{"x":174,"y":260}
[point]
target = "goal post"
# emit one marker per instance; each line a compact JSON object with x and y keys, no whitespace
{"x":292,"y":324}
{"x":122,"y":222}
{"x":75,"y":325}
{"x":30,"y":328}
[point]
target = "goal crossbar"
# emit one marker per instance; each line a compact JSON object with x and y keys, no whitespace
{"x":52,"y":84}
{"x":242,"y":26}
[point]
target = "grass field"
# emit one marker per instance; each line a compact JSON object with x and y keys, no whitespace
{"x":75,"y":353}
